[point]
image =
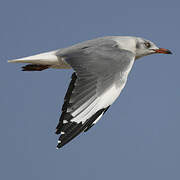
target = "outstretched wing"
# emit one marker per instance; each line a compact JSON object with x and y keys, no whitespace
{"x":101,"y":70}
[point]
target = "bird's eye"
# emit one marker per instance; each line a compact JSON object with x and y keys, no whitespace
{"x":147,"y":44}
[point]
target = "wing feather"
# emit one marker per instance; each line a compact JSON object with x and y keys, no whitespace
{"x":96,"y":83}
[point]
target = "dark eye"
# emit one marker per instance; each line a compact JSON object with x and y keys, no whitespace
{"x":147,"y":44}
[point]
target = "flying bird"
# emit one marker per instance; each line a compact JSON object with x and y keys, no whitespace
{"x":101,"y":69}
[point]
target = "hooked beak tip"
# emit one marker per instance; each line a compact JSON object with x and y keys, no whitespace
{"x":162,"y":51}
{"x":168,"y":52}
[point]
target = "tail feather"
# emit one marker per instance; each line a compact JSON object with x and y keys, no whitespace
{"x":42,"y":61}
{"x":43,"y":58}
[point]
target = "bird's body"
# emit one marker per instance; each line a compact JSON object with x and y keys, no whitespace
{"x":101,"y":69}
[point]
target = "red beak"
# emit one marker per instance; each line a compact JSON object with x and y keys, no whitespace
{"x":162,"y":51}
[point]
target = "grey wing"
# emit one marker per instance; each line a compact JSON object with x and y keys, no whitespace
{"x":98,"y":80}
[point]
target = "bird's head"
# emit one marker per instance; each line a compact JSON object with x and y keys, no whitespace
{"x":145,"y":47}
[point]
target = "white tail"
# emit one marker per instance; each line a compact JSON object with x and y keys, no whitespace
{"x":48,"y":58}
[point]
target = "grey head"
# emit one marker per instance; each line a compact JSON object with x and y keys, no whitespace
{"x":145,"y":47}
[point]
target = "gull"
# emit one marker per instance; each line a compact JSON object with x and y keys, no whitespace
{"x":101,"y":70}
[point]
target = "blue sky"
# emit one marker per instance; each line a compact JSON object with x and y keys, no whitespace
{"x":137,"y":139}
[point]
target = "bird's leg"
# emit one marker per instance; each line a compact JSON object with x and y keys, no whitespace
{"x":35,"y":67}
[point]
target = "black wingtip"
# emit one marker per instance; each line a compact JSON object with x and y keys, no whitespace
{"x":73,"y":129}
{"x":59,"y":145}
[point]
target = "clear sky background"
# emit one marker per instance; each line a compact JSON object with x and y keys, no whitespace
{"x":137,"y":139}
